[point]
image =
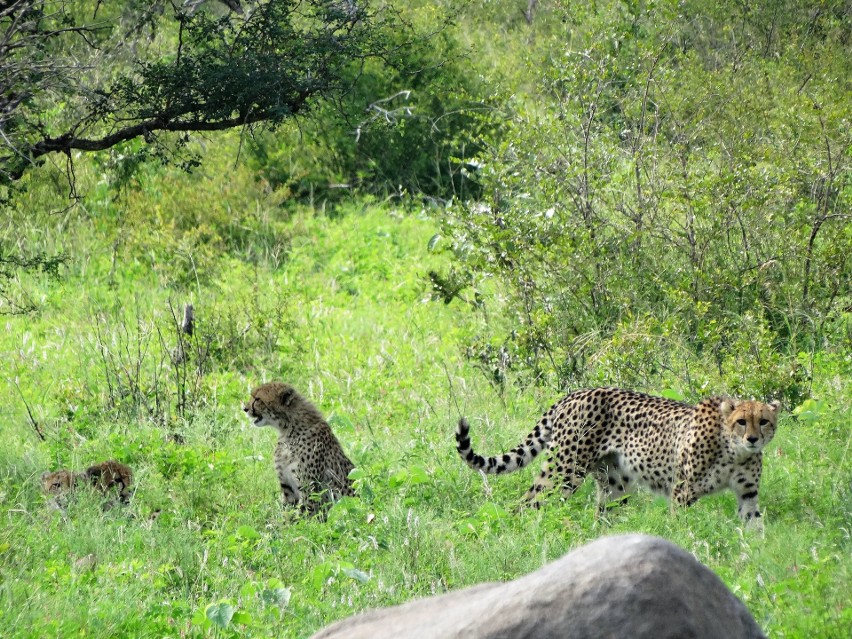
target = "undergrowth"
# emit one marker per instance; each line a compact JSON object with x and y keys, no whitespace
{"x":349,"y":317}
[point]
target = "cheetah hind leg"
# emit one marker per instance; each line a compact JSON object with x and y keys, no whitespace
{"x":614,"y":485}
{"x":546,"y":483}
{"x":542,"y":485}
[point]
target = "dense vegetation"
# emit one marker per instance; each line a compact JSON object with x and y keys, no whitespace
{"x":651,"y":195}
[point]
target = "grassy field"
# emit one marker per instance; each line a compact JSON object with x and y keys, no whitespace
{"x":340,"y":306}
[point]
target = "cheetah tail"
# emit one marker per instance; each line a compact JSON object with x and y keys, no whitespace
{"x":509,"y":462}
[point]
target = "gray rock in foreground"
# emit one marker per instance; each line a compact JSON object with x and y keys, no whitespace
{"x":630,"y":586}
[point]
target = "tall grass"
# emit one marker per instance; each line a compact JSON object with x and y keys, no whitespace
{"x":204,"y":548}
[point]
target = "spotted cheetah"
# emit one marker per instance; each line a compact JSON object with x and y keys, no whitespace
{"x":625,"y":438}
{"x":312,"y":468}
{"x":104,"y":476}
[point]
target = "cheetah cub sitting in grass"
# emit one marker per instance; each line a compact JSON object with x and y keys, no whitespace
{"x":312,"y":468}
{"x":104,"y":476}
{"x":624,"y":439}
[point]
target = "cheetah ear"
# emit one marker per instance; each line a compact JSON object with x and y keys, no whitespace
{"x":775,"y":406}
{"x":287,"y":395}
{"x":45,"y":475}
{"x":726,"y":407}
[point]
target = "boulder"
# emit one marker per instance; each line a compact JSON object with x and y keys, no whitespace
{"x":630,"y":586}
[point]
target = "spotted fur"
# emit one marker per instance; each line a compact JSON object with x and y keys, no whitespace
{"x":626,"y":439}
{"x":312,"y":468}
{"x":104,"y":476}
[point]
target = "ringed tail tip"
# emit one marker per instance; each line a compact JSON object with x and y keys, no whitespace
{"x":463,"y":428}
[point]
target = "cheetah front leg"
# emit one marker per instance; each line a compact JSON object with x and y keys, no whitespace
{"x":682,"y":493}
{"x":286,"y":467}
{"x":685,"y":491}
{"x":746,"y":484}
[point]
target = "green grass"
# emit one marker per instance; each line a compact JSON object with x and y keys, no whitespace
{"x":347,"y":318}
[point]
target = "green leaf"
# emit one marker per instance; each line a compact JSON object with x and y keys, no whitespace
{"x":810,"y":410}
{"x":356,"y":473}
{"x":411,"y":476}
{"x":247,"y":532}
{"x":491,"y":512}
{"x":200,"y":618}
{"x":220,"y":614}
{"x":320,"y":573}
{"x":248,"y":589}
{"x":357,"y":575}
{"x":433,"y":241}
{"x":276,"y":596}
{"x":469,"y":526}
{"x":671,"y":393}
{"x":398,"y":478}
{"x":242,"y":617}
{"x":417,"y":475}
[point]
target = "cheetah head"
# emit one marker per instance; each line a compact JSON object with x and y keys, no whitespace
{"x":57,"y":482}
{"x":270,"y":403}
{"x":751,"y":424}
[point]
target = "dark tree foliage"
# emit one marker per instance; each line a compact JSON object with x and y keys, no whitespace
{"x":85,"y":76}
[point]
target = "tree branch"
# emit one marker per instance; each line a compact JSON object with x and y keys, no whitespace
{"x":68,"y":142}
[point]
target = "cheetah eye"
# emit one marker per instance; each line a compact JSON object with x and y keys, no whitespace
{"x":741,"y":422}
{"x":764,"y":422}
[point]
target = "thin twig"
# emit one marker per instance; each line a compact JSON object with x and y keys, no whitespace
{"x":33,"y":421}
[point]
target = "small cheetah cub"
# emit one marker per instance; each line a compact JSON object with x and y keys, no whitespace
{"x":312,"y":468}
{"x":104,"y":476}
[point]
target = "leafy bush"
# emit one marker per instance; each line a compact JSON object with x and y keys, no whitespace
{"x":657,"y":182}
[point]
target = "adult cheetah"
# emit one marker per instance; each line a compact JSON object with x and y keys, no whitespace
{"x":624,"y":438}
